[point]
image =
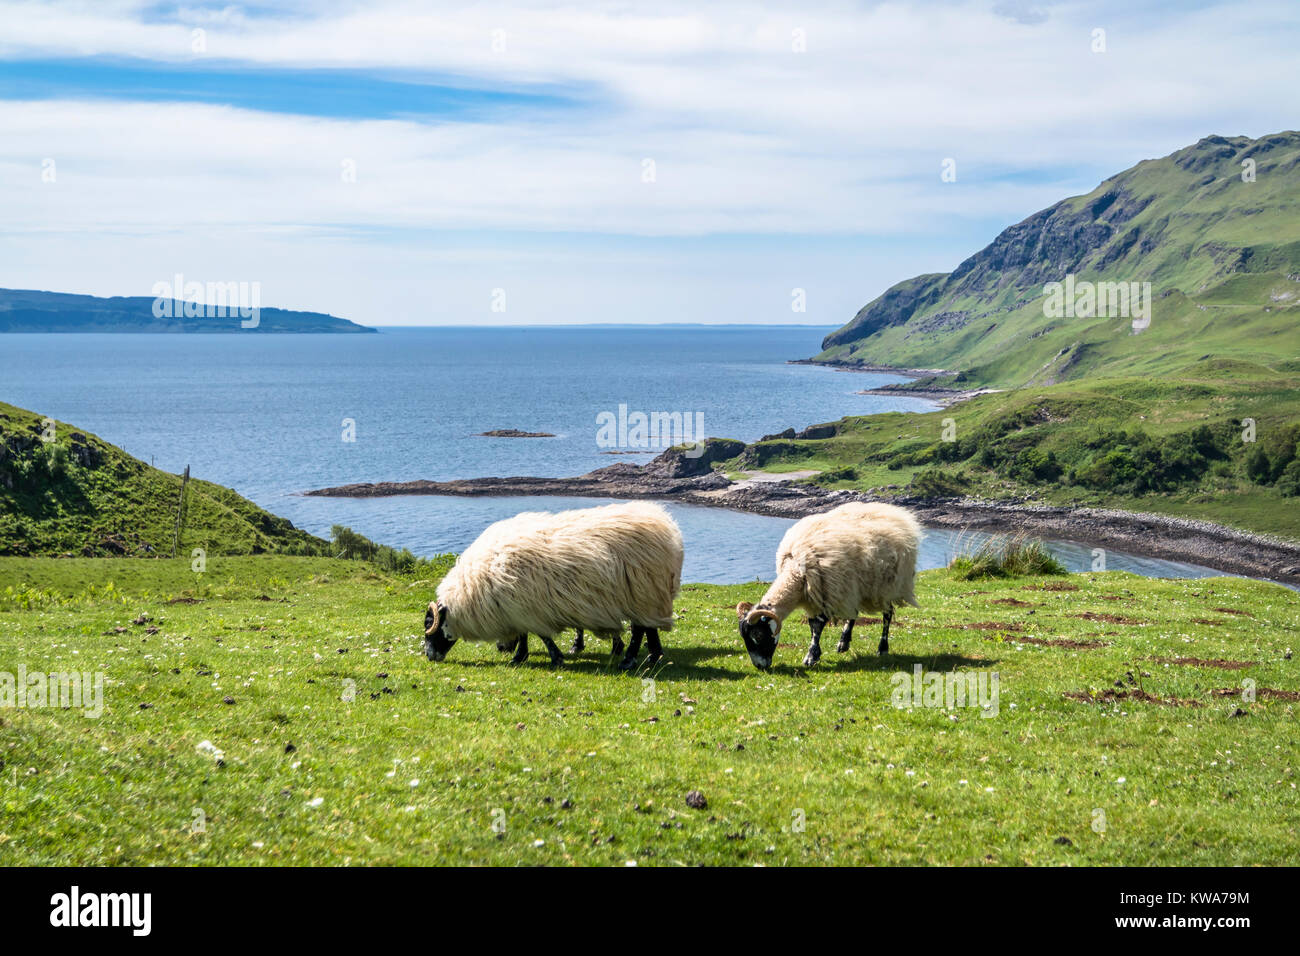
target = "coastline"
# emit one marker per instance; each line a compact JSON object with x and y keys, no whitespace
{"x":887,"y":369}
{"x":1151,"y":535}
{"x":941,"y":395}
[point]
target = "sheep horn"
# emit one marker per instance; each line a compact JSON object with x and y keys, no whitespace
{"x":434,"y":618}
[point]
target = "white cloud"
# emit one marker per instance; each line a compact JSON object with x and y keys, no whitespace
{"x":748,"y":137}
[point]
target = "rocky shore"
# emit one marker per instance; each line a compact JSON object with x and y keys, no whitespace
{"x":944,"y":397}
{"x":674,"y":477}
{"x":941,"y":395}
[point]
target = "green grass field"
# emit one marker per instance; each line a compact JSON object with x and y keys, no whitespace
{"x":477,"y":761}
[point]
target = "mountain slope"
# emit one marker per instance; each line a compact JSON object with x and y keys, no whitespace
{"x":80,"y":495}
{"x":24,"y":310}
{"x":1222,"y":256}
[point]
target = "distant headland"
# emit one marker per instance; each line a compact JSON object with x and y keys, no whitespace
{"x":24,"y":310}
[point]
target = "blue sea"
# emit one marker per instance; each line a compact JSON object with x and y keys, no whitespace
{"x":274,"y":415}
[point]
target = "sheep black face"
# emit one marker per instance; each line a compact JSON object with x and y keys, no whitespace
{"x":437,"y":642}
{"x":760,"y":630}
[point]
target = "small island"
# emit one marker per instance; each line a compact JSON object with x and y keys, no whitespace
{"x":23,"y":310}
{"x":513,"y":433}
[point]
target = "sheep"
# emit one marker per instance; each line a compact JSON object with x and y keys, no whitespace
{"x":857,"y":557}
{"x":542,"y":573}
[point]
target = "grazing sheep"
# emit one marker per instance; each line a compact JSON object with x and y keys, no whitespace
{"x":541,"y":573}
{"x":857,"y":557}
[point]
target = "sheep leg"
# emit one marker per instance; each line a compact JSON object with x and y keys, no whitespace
{"x":814,"y":654}
{"x":633,"y":649}
{"x":618,"y":645}
{"x":653,"y":645}
{"x":888,"y":616}
{"x":521,"y":650}
{"x":846,"y":635}
{"x":556,"y":657}
{"x":578,"y":644}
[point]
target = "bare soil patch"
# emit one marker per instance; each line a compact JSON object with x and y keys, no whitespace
{"x":1108,"y":695}
{"x":1107,"y":618}
{"x":1059,"y":642}
{"x":1203,"y":662}
{"x":1273,"y":692}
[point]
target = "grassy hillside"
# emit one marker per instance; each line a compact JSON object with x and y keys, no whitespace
{"x":231,"y":729}
{"x":79,"y":495}
{"x":1143,"y":444}
{"x":1089,"y":409}
{"x":1222,"y":256}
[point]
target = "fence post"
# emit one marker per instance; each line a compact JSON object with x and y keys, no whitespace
{"x":180,"y":508}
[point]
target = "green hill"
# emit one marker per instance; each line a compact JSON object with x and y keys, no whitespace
{"x":79,"y":495}
{"x":1194,"y":414}
{"x":1222,"y":256}
{"x":23,"y":310}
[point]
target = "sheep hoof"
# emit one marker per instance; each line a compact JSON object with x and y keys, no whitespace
{"x":884,"y":647}
{"x":842,"y":647}
{"x":628,"y":663}
{"x":813,"y":656}
{"x":653,"y":659}
{"x":577,"y":648}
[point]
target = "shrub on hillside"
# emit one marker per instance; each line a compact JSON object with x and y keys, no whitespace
{"x":1276,"y":461}
{"x":934,"y":483}
{"x":1136,"y":463}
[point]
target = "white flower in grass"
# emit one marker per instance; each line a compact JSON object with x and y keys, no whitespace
{"x":211,"y":749}
{"x":315,"y":802}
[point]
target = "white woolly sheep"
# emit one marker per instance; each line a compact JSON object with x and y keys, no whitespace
{"x":857,"y":557}
{"x":541,"y":573}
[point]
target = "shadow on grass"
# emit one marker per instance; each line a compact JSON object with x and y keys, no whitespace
{"x":674,"y":662}
{"x":906,"y":662}
{"x":691,"y":661}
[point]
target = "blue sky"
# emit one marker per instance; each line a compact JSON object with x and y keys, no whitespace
{"x":327,"y":92}
{"x":398,"y":162}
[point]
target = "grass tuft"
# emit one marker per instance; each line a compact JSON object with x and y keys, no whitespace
{"x":1004,"y":556}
